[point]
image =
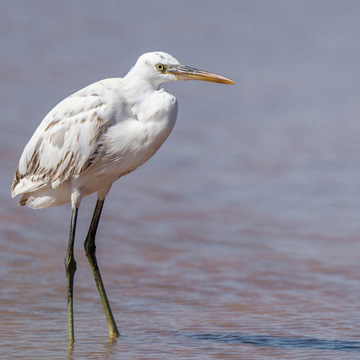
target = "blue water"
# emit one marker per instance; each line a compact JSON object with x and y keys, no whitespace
{"x":239,"y":239}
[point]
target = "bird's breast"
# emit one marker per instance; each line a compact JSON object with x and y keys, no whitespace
{"x":131,"y":142}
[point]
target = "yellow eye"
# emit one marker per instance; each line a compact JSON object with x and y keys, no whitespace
{"x":160,"y":67}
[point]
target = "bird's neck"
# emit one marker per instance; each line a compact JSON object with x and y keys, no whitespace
{"x":135,"y":82}
{"x":138,"y":91}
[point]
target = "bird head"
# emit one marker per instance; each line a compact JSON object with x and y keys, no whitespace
{"x":159,"y":67}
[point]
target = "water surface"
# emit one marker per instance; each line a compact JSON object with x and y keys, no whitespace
{"x":240,"y":239}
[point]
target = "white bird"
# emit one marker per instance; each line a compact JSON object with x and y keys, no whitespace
{"x":92,"y":138}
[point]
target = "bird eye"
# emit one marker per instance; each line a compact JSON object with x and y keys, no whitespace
{"x":160,"y":67}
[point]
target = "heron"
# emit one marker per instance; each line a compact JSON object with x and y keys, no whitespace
{"x":92,"y":138}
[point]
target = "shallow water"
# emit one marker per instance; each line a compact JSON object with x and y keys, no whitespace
{"x":240,"y":238}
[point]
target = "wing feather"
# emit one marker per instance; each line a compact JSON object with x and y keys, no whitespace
{"x":66,"y":142}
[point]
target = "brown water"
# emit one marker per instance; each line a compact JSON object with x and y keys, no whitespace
{"x":240,"y":239}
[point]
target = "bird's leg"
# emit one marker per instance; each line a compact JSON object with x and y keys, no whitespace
{"x":70,"y":268}
{"x":90,"y":249}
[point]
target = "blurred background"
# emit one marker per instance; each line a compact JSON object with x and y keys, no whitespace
{"x":242,"y":232}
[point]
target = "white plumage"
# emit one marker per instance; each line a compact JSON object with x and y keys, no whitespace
{"x":92,"y":138}
{"x":95,"y":136}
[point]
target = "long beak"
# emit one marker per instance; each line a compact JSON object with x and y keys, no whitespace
{"x":187,"y":73}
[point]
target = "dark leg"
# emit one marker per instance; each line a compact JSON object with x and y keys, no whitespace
{"x":90,"y":249}
{"x":70,"y":268}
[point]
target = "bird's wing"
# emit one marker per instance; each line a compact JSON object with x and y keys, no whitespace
{"x":67,"y":141}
